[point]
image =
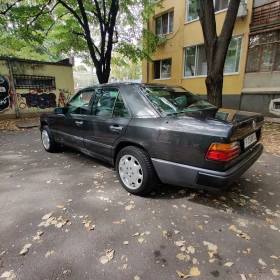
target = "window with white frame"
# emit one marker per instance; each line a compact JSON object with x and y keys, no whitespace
{"x":164,"y":23}
{"x":162,"y":69}
{"x":195,"y":63}
{"x":219,"y":5}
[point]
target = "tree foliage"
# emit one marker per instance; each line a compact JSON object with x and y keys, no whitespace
{"x":89,"y":29}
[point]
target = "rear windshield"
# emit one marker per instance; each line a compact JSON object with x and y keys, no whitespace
{"x":175,"y":100}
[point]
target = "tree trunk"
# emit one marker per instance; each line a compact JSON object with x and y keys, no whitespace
{"x":214,"y":85}
{"x":216,"y":47}
{"x":103,"y":76}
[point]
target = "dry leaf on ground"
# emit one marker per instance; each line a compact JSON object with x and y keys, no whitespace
{"x":262,"y":262}
{"x":25,"y":249}
{"x":194,"y":271}
{"x":228,"y":264}
{"x":275,"y":272}
{"x":211,"y":247}
{"x":9,"y":275}
{"x":49,"y":253}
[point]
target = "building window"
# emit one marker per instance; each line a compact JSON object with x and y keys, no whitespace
{"x":37,"y":82}
{"x":195,"y":59}
{"x":264,"y":52}
{"x":164,"y":23}
{"x":219,"y":5}
{"x":162,"y":69}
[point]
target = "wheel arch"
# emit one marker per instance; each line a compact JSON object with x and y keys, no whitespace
{"x":43,"y":123}
{"x":124,"y":144}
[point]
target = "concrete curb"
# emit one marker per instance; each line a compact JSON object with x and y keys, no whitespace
{"x":272,"y":120}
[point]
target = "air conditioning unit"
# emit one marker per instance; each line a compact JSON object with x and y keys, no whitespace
{"x":274,"y":107}
{"x":242,"y":10}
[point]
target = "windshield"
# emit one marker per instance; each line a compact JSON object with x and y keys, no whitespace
{"x":175,"y":100}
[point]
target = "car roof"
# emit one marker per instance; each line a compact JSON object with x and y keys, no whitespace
{"x":138,"y":105}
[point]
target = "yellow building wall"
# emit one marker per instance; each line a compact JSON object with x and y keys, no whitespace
{"x":187,"y":34}
{"x":36,"y":101}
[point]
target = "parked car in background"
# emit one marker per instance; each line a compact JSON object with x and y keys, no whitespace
{"x":153,"y":132}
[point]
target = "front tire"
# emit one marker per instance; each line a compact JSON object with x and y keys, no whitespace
{"x":47,"y":140}
{"x":135,"y":171}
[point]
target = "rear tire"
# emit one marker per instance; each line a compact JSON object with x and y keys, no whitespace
{"x":136,"y":171}
{"x":48,"y":141}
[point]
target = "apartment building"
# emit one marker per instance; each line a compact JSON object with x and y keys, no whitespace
{"x":251,"y":72}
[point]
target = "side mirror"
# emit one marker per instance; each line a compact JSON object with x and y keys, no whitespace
{"x":60,"y":111}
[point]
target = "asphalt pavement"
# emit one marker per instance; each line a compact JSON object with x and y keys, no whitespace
{"x":66,"y":216}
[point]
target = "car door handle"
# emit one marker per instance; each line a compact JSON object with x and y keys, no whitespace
{"x":78,"y":122}
{"x":116,"y":127}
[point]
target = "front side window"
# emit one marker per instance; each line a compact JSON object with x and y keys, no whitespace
{"x":264,"y":52}
{"x":79,"y":103}
{"x":196,"y":63}
{"x":162,"y":69}
{"x":192,"y":14}
{"x":164,"y":23}
{"x":172,"y":101}
{"x":104,"y":102}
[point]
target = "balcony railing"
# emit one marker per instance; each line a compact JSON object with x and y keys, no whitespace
{"x":266,"y":14}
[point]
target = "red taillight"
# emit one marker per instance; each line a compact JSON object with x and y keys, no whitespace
{"x":223,"y":152}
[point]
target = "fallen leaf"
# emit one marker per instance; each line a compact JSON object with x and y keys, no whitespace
{"x":274,"y":257}
{"x":91,"y":227}
{"x":182,"y":257}
{"x":124,"y":267}
{"x":141,"y":240}
{"x":129,"y":207}
{"x":180,"y":243}
{"x":136,"y":234}
{"x":243,"y":277}
{"x":49,"y":253}
{"x":47,"y":216}
{"x":275,"y":272}
{"x":273,"y":227}
{"x":110,"y":254}
{"x":211,"y":247}
{"x":262,"y":262}
{"x":104,"y":259}
{"x":60,"y":206}
{"x":182,"y":275}
{"x":194,"y":271}
{"x":233,"y":228}
{"x":176,"y":231}
{"x":9,"y":275}
{"x":200,"y":226}
{"x":125,"y":243}
{"x":228,"y":264}
{"x":136,"y":277}
{"x":191,"y":249}
{"x":25,"y":249}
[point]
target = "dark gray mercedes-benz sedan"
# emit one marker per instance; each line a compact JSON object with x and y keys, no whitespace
{"x":156,"y":132}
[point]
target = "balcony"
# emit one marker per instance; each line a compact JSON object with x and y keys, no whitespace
{"x":267,"y":14}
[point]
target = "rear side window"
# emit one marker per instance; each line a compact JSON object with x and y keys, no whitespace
{"x":108,"y":103}
{"x":120,"y":110}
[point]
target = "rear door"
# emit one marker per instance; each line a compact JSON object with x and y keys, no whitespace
{"x":70,"y":126}
{"x":107,"y":121}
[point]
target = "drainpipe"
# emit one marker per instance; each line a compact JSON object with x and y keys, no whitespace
{"x":13,"y":88}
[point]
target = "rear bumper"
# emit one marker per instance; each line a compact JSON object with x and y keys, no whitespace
{"x":183,"y":175}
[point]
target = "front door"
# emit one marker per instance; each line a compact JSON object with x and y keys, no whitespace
{"x":107,"y":121}
{"x":70,"y":128}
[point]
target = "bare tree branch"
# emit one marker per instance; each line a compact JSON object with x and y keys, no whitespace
{"x":72,"y":12}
